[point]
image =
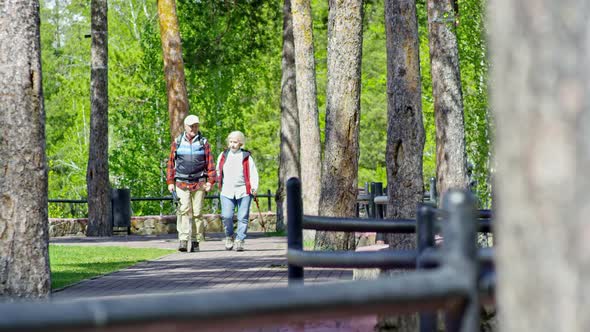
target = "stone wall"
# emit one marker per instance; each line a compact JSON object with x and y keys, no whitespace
{"x":156,"y":225}
{"x":67,"y":227}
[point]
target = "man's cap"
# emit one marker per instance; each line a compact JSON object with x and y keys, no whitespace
{"x":191,"y":120}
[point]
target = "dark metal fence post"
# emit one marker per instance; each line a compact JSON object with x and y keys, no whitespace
{"x":121,"y":210}
{"x":371,"y":206}
{"x":425,"y":240}
{"x":294,"y":227}
{"x":378,"y":191}
{"x":269,"y":199}
{"x":433,"y":198}
{"x":460,"y":248}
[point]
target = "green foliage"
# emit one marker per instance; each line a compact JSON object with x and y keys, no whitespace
{"x":66,"y":82}
{"x":138,"y":112}
{"x":373,"y":122}
{"x":232,"y":54}
{"x":71,"y":264}
{"x":474,"y":76}
{"x":429,"y":154}
{"x":232,"y":59}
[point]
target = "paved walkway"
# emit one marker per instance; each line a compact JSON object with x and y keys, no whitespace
{"x":262,"y":264}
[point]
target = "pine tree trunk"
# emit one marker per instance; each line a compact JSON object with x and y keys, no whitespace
{"x":97,"y":173}
{"x":340,"y":166}
{"x":24,"y":262}
{"x":540,"y":76}
{"x":405,"y":130}
{"x":451,"y":159}
{"x":309,"y":128}
{"x":173,"y":66}
{"x":289,"y":149}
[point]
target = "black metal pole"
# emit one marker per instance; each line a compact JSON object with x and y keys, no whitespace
{"x":460,"y":256}
{"x":433,"y":198}
{"x":269,"y":200}
{"x":372,"y":200}
{"x":378,"y":191}
{"x":294,"y":227}
{"x":425,"y":240}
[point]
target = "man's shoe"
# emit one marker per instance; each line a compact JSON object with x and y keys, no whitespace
{"x":194,"y":246}
{"x":239,"y":245}
{"x":229,"y":243}
{"x":182,"y":245}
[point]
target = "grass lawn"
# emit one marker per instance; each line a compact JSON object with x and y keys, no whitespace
{"x":70,"y":264}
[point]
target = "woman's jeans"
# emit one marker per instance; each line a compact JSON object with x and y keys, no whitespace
{"x":227,"y":214}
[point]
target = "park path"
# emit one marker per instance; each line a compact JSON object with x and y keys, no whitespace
{"x":262,"y":264}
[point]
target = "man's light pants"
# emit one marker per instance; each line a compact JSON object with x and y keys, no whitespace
{"x":189,"y":214}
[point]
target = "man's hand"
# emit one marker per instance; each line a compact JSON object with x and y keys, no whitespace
{"x":207,"y":186}
{"x":253,"y":192}
{"x":171,"y":187}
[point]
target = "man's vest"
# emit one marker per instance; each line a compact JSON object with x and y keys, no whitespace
{"x":245,"y":167}
{"x":190,"y":162}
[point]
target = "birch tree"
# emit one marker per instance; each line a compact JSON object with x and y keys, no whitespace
{"x":24,"y":260}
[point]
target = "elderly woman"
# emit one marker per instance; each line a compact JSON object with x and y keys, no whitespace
{"x":238,"y":182}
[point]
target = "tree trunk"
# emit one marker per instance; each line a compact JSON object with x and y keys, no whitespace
{"x":24,"y":262}
{"x":451,"y":159}
{"x":173,"y":66}
{"x":97,"y":173}
{"x":340,"y":166}
{"x":540,"y":98}
{"x":405,"y":131}
{"x":289,"y":153}
{"x":309,"y":128}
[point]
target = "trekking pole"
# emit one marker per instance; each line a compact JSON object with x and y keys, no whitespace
{"x":175,"y":199}
{"x":262,"y":223}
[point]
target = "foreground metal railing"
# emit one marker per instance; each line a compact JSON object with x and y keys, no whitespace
{"x":256,"y":307}
{"x":458,"y":259}
{"x":453,"y":287}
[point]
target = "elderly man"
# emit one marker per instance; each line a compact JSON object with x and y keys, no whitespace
{"x":191,"y":173}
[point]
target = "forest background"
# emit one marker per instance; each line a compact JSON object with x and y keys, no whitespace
{"x":232,"y":56}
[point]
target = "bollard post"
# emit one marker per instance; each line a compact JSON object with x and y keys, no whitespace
{"x":372,"y":213}
{"x":433,"y":198}
{"x":425,"y":240}
{"x":121,"y":211}
{"x":460,"y":256}
{"x":294,"y":227}
{"x":378,"y":191}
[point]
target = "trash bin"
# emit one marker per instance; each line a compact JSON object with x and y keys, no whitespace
{"x":121,"y":206}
